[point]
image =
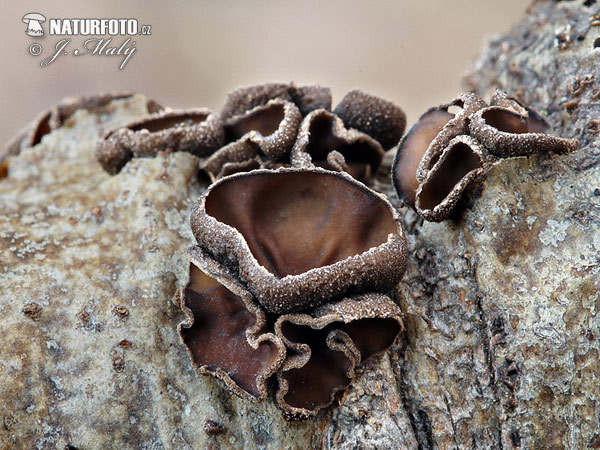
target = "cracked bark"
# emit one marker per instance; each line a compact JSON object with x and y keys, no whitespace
{"x":501,"y":344}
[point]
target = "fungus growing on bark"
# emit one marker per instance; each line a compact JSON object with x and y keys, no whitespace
{"x":425,"y":141}
{"x":461,"y":164}
{"x":197,"y":131}
{"x":306,"y":98}
{"x":326,"y":345}
{"x":225,"y":330}
{"x":454,"y":151}
{"x":506,"y":133}
{"x":56,"y":116}
{"x":268,"y":130}
{"x":300,"y":237}
{"x":379,"y":118}
{"x":288,"y":282}
{"x":322,"y":133}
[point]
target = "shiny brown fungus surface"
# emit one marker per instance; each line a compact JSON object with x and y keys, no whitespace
{"x":411,"y":150}
{"x":265,"y":133}
{"x":272,"y":127}
{"x":327,"y":345}
{"x":306,"y":98}
{"x":464,"y":105}
{"x":299,"y":237}
{"x":535,"y":122}
{"x":196,"y":131}
{"x":322,"y":132}
{"x":225,"y":334}
{"x":379,"y":118}
{"x":454,"y":148}
{"x":460,"y":164}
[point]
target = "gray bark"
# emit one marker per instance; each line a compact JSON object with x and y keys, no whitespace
{"x":501,"y":344}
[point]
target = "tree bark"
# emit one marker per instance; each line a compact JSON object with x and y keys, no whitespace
{"x":501,"y":345}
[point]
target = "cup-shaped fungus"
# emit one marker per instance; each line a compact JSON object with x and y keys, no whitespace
{"x":505,"y":133}
{"x":425,"y":141}
{"x":225,"y":331}
{"x":267,"y":130}
{"x":379,"y":118}
{"x":444,"y":154}
{"x":56,"y":116}
{"x":326,"y":345}
{"x":322,"y":133}
{"x":300,"y":237}
{"x":460,"y":165}
{"x":197,"y":131}
{"x":306,"y":98}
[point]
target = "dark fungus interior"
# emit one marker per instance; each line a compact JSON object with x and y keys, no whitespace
{"x":459,"y":161}
{"x":311,"y":385}
{"x":297,"y":221}
{"x":164,"y":123}
{"x":42,"y":129}
{"x":217,"y":339}
{"x":535,"y":122}
{"x":510,"y":122}
{"x":357,"y":154}
{"x":413,"y":148}
{"x":265,"y":120}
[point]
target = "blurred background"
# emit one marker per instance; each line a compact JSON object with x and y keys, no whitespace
{"x":411,"y":52}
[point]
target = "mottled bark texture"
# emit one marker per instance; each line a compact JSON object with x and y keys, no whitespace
{"x":501,"y":348}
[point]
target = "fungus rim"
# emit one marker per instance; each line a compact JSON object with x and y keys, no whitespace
{"x":344,"y":311}
{"x":300,"y":157}
{"x":316,"y":285}
{"x":254,"y":334}
{"x":443,"y":209}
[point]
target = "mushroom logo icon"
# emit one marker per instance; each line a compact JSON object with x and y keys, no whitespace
{"x":34,"y":24}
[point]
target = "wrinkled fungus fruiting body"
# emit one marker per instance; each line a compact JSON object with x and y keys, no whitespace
{"x":322,"y":133}
{"x":300,"y":237}
{"x":56,"y":116}
{"x":461,"y":164}
{"x":306,"y":98}
{"x":288,"y":282}
{"x":327,"y":345}
{"x":267,"y":130}
{"x":506,"y":133}
{"x":225,"y":330}
{"x":452,"y":152}
{"x":197,"y":131}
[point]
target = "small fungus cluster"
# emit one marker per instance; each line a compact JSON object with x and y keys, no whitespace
{"x":289,"y":282}
{"x":267,"y":126}
{"x":56,"y":117}
{"x":295,"y":256}
{"x":447,"y":154}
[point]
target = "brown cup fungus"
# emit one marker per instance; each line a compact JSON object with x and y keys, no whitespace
{"x":323,"y":133}
{"x":290,"y":273}
{"x":225,"y":331}
{"x":460,"y":165}
{"x":419,"y":149}
{"x":327,"y":345}
{"x":197,"y":131}
{"x":267,"y":131}
{"x":289,"y":281}
{"x":56,"y":116}
{"x":446,"y":154}
{"x":306,"y":98}
{"x":300,"y":237}
{"x":324,"y":139}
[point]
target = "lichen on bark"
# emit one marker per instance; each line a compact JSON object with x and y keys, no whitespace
{"x":500,"y":348}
